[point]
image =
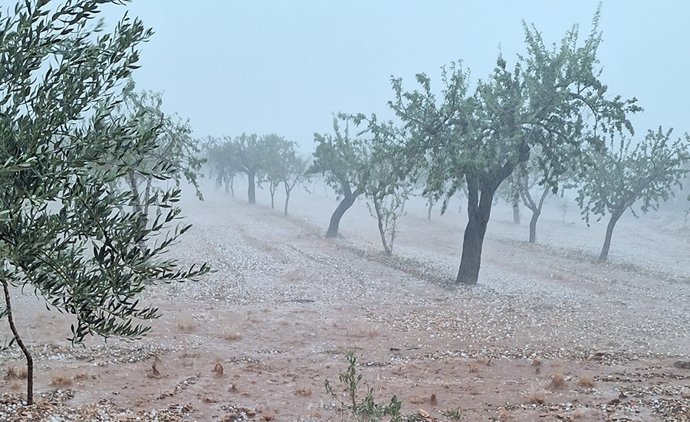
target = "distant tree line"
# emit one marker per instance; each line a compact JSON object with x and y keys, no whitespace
{"x":268,"y":159}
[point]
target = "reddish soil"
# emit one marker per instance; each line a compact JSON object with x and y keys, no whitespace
{"x":548,"y":334}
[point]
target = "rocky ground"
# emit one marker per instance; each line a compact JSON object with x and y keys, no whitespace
{"x":548,"y":334}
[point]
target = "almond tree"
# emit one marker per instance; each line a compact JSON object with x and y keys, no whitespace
{"x":344,"y":163}
{"x":626,"y":173}
{"x":553,"y":97}
{"x":295,"y":173}
{"x":276,"y":155}
{"x":176,"y":154}
{"x":250,"y":160}
{"x":64,"y":232}
{"x":389,"y":184}
{"x":221,"y":157}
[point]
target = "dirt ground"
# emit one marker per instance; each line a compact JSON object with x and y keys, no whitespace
{"x":548,"y":334}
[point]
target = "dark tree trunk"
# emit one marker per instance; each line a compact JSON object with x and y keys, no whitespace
{"x":22,"y":346}
{"x":480,"y":195}
{"x":227,"y":185}
{"x":533,"y":226}
{"x":536,"y":211}
{"x":232,"y":186}
{"x":272,"y":190}
{"x":343,"y":206}
{"x":478,"y":211}
{"x":603,"y":256}
{"x":251,"y":188}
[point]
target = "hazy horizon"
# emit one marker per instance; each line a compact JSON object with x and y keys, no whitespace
{"x":286,"y":67}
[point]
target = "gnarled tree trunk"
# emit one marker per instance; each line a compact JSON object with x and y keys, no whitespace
{"x":343,"y":206}
{"x":478,"y":211}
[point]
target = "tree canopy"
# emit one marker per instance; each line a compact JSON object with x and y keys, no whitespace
{"x":344,"y":162}
{"x":627,"y":173}
{"x":552,"y":98}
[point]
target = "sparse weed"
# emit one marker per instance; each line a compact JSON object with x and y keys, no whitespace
{"x":12,"y":373}
{"x":232,"y":336}
{"x":186,"y":325}
{"x":557,"y":382}
{"x":585,"y":381}
{"x":60,"y":380}
{"x":367,"y":409}
{"x":536,"y":398}
{"x":454,"y":414}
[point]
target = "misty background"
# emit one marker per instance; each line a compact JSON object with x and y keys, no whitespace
{"x":286,"y":67}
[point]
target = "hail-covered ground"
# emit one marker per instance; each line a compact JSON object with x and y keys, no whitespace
{"x":547,"y":334}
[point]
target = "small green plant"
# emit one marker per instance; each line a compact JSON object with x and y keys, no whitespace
{"x":454,"y":414}
{"x":368,"y":409}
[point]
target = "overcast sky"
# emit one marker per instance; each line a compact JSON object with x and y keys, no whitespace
{"x":285,"y":66}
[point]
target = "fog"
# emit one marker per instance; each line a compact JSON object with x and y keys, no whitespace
{"x":285,"y":67}
{"x":376,"y":320}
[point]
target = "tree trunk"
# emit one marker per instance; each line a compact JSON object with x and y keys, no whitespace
{"x":137,"y":207}
{"x":382,"y":231}
{"x":251,"y":189}
{"x":536,"y":212}
{"x":147,"y":195}
{"x":430,"y":206}
{"x":343,"y":206}
{"x":533,"y":226}
{"x":287,"y":199}
{"x":22,"y":346}
{"x":603,"y":256}
{"x":227,"y":185}
{"x":232,"y":186}
{"x":516,"y":207}
{"x":478,"y":211}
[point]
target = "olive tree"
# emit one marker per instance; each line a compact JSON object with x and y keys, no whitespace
{"x":65,"y":234}
{"x":553,"y":97}
{"x":627,"y":173}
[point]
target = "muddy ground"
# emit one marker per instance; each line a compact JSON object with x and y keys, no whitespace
{"x":548,"y":334}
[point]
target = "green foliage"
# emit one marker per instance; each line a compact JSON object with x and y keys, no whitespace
{"x":453,"y":414}
{"x":64,"y":231}
{"x":341,"y":159}
{"x":282,"y":165}
{"x":368,"y":409}
{"x":221,"y":159}
{"x":175,"y":153}
{"x":552,"y":99}
{"x":627,"y":173}
{"x":388,"y":186}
